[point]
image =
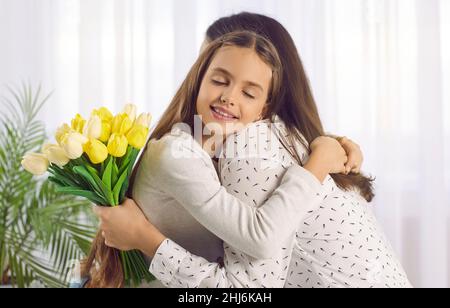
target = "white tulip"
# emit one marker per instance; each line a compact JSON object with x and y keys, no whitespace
{"x":46,"y":146}
{"x":93,"y":128}
{"x":130,"y":110}
{"x":55,"y":154}
{"x":35,"y":163}
{"x":62,"y":131}
{"x":79,"y":137}
{"x":72,"y":144}
{"x":144,"y":119}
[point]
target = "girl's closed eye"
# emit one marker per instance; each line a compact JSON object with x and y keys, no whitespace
{"x":219,"y":82}
{"x":225,"y":83}
{"x":249,"y":95}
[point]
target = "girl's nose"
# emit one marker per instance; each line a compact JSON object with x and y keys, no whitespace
{"x":224,"y":99}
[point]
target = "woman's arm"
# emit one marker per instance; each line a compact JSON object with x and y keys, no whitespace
{"x":126,"y":228}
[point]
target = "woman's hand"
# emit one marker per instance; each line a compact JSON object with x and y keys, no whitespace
{"x":327,"y":157}
{"x":126,"y":228}
{"x":354,"y":154}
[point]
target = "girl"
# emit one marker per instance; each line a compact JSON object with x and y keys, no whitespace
{"x":231,"y":69}
{"x":164,"y":185}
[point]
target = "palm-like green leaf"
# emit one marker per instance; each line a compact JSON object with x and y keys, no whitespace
{"x":41,"y":230}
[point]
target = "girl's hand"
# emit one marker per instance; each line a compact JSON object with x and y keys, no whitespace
{"x":354,"y":154}
{"x":327,"y":157}
{"x":126,"y":228}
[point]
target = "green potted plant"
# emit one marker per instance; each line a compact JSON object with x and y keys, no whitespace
{"x":42,"y":232}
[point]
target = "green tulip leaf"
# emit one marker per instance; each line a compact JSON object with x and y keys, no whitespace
{"x":115,"y":174}
{"x":107,"y":173}
{"x":91,"y":196}
{"x":86,"y":176}
{"x":96,"y":182}
{"x":118,"y":186}
{"x":63,"y":176}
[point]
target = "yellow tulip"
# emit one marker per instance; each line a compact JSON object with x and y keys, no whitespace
{"x":96,"y":151}
{"x":78,"y":123}
{"x":93,"y":128}
{"x":103,"y":113}
{"x":121,"y":124}
{"x":61,"y":132}
{"x":144,"y":119}
{"x":35,"y":163}
{"x":130,"y":110}
{"x":106,"y":131}
{"x":72,"y":143}
{"x":117,"y":145}
{"x":137,"y":136}
{"x":55,"y":154}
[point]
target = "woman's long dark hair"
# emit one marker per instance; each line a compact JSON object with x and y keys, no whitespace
{"x":296,"y":105}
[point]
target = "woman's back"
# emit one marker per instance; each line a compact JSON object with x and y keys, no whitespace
{"x":342,"y":244}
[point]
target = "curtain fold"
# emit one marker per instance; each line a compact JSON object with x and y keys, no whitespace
{"x":380,"y":72}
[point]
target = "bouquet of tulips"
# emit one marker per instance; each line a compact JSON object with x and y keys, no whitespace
{"x":94,"y":159}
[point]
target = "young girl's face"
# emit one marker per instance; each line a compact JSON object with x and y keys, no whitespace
{"x":234,"y":90}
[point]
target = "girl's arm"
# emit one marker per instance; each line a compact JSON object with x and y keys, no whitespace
{"x":175,"y":267}
{"x":180,"y":167}
{"x":354,"y":152}
{"x":252,"y":180}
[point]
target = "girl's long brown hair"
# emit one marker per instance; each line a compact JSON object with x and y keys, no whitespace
{"x":296,"y":105}
{"x":103,"y":264}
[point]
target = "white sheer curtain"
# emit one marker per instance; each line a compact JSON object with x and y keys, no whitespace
{"x":380,"y":71}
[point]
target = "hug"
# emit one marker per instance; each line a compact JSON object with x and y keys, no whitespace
{"x":265,"y":198}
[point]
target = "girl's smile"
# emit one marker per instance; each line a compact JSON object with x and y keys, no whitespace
{"x":222,"y":115}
